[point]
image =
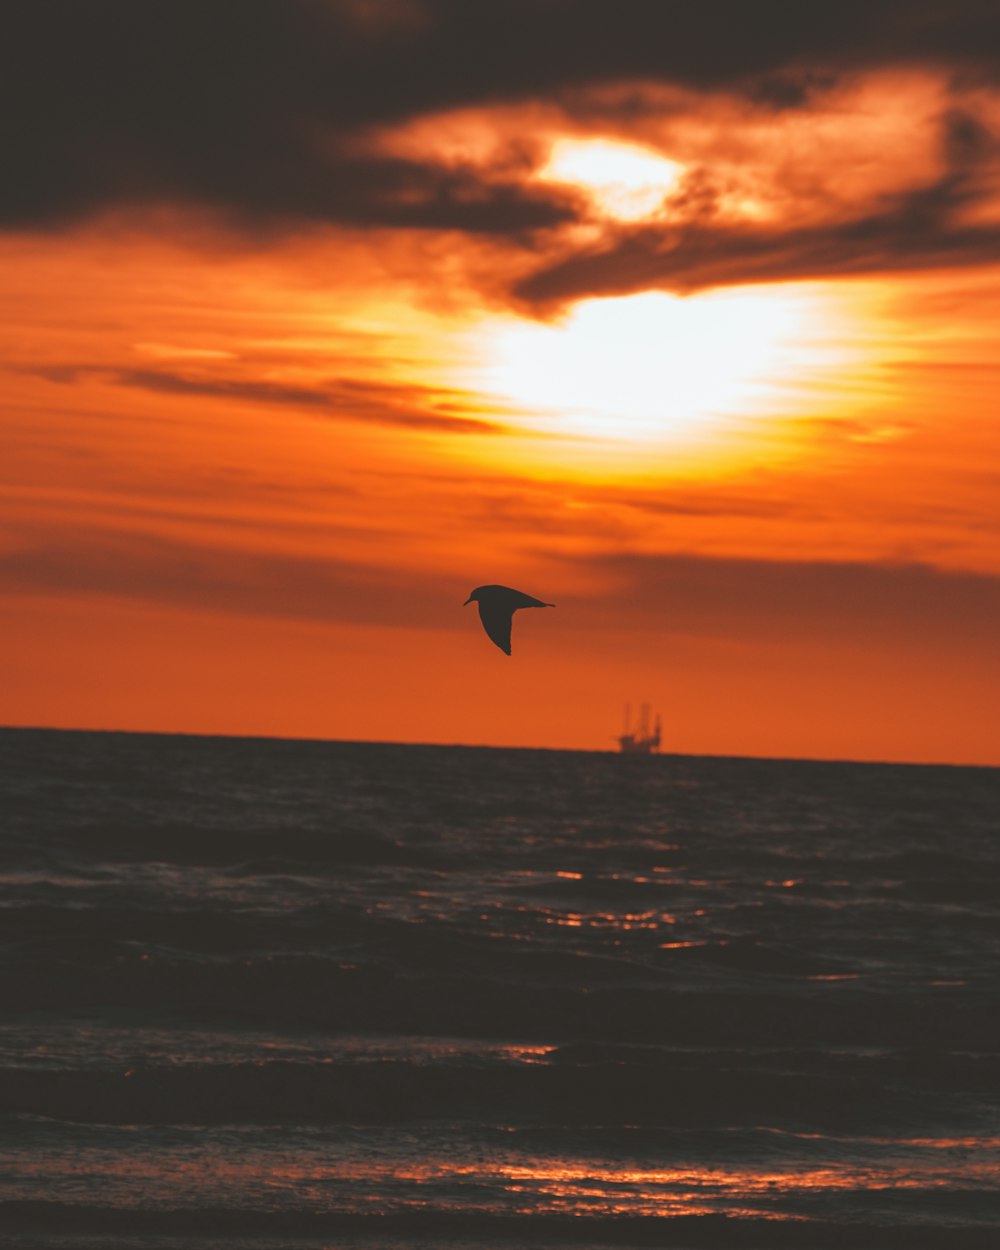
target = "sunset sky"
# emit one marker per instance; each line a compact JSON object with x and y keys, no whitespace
{"x":317,"y":314}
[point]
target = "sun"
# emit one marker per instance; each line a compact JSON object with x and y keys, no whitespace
{"x":654,"y":367}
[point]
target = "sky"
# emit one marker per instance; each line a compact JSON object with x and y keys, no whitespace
{"x":317,"y":314}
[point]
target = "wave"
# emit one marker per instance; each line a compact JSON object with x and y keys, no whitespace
{"x":544,"y":955}
{"x":152,"y":930}
{"x":612,"y":867}
{"x":445,"y":987}
{"x":292,"y":846}
{"x":694,"y":1232}
{"x":581,"y":1087}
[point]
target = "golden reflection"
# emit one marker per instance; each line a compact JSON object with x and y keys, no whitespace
{"x":580,"y":1177}
{"x":510,"y":1181}
{"x":586,"y":1186}
{"x":607,"y":920}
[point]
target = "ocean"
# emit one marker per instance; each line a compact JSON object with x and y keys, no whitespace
{"x":261,"y":993}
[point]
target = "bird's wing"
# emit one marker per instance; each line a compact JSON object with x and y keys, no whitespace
{"x":496,"y":621}
{"x":521,"y":600}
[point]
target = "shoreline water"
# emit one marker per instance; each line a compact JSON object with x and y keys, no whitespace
{"x":270,"y":992}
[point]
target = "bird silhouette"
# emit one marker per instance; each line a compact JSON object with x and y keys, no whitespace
{"x":497,"y":605}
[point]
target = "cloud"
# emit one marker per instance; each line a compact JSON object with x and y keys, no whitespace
{"x":347,"y":399}
{"x":914,"y":236}
{"x":242,"y":107}
{"x":255,"y":107}
{"x":210,"y":577}
{"x":913,"y":607}
{"x":845,"y":603}
{"x":922,"y":228}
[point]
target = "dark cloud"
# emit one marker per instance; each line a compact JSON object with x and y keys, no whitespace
{"x":349,"y":399}
{"x":237,"y":105}
{"x":921,"y":229}
{"x":197,"y":575}
{"x":857,"y":605}
{"x":799,"y":602}
{"x":253,"y":107}
{"x":699,"y":258}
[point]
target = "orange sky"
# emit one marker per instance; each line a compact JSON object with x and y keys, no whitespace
{"x":710,"y":359}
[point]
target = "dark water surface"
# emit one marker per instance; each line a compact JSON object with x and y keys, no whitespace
{"x":261,"y":993}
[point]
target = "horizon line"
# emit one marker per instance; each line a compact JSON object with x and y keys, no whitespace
{"x":482,"y":746}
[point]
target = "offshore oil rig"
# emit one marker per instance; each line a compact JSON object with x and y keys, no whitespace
{"x":639,"y":740}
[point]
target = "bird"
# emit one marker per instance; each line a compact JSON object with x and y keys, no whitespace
{"x":497,"y":605}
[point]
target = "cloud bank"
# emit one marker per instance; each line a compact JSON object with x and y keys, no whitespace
{"x":278,"y":115}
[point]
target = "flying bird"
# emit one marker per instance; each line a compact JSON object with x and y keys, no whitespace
{"x":497,"y":605}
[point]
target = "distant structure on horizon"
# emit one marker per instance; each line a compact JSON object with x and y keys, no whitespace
{"x":639,"y":741}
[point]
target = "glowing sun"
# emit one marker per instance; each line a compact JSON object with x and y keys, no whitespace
{"x":655,"y":366}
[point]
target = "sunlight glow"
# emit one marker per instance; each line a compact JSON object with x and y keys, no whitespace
{"x":627,"y":182}
{"x":656,"y":367}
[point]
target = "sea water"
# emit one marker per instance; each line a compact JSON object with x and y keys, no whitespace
{"x":274,"y":993}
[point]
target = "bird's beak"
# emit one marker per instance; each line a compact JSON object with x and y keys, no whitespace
{"x":467,"y":602}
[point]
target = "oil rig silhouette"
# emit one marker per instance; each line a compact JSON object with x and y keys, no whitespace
{"x":638,"y":740}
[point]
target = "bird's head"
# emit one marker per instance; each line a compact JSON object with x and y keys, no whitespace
{"x":473,"y":598}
